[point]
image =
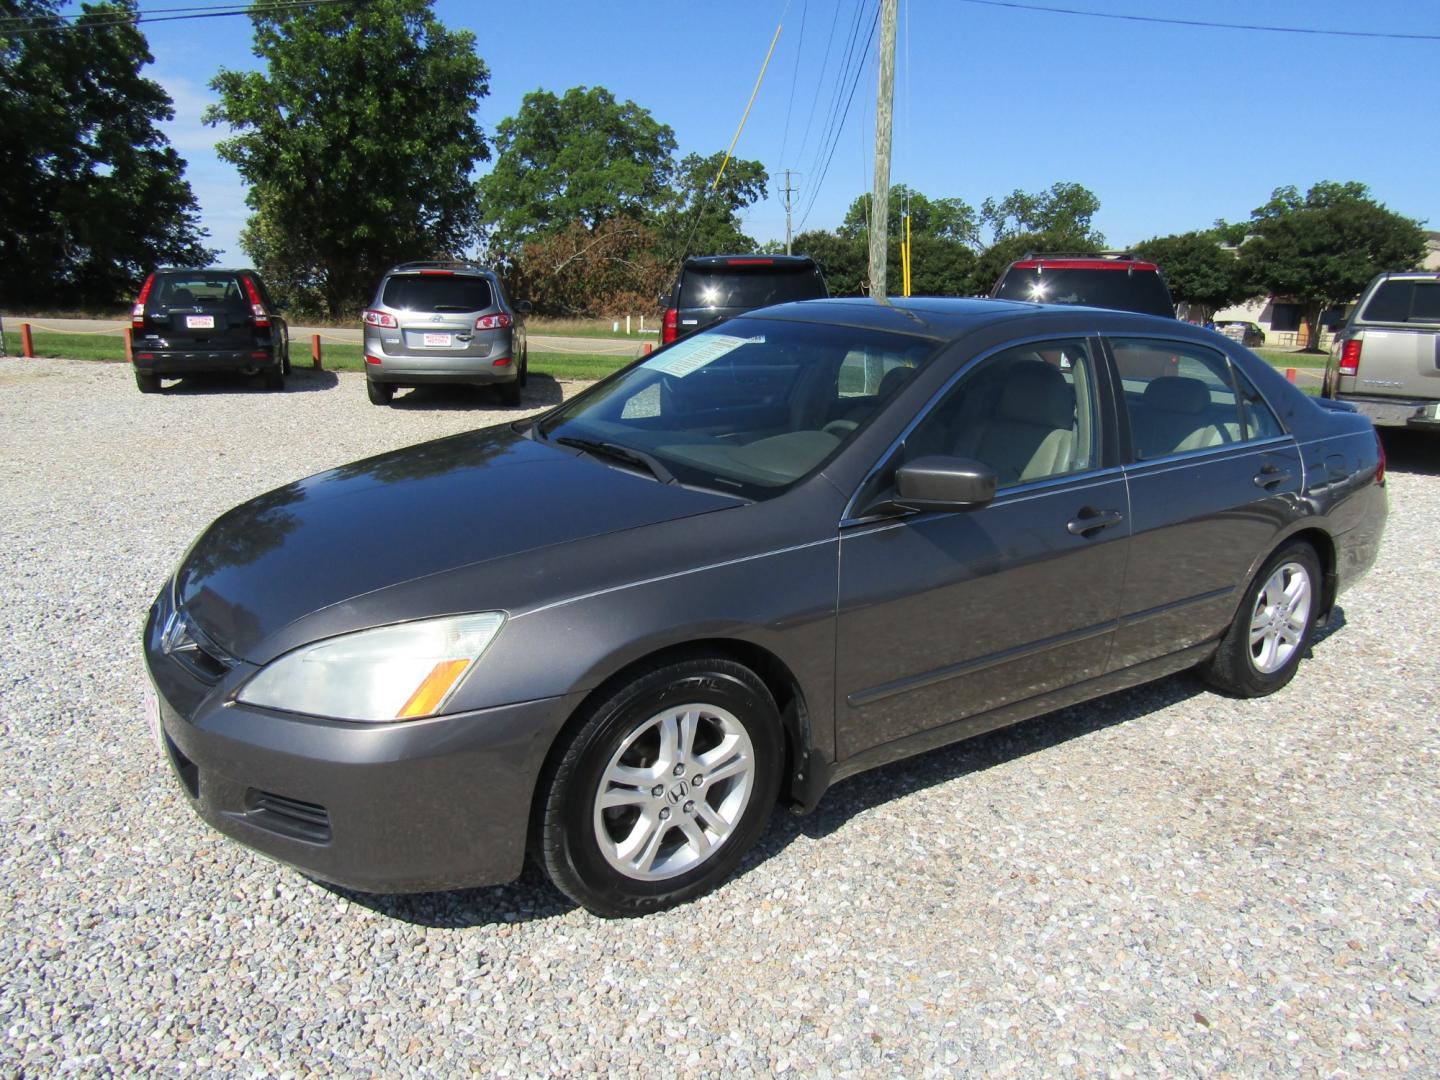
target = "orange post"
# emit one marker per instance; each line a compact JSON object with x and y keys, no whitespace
{"x":27,"y":346}
{"x":129,"y":347}
{"x":315,"y":360}
{"x":646,"y":349}
{"x":1290,"y":373}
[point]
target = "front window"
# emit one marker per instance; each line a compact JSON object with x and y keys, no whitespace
{"x":749,"y":407}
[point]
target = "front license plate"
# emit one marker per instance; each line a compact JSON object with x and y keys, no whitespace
{"x":152,"y":714}
{"x":437,"y":339}
{"x":200,"y":322}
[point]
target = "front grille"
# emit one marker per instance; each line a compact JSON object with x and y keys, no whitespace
{"x":288,"y":817}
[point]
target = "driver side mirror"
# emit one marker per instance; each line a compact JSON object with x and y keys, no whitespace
{"x":944,"y":483}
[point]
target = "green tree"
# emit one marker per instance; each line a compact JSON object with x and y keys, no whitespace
{"x":1063,"y":213}
{"x":92,"y":195}
{"x":939,"y":266}
{"x":943,"y":219}
{"x":1198,"y":270}
{"x":1322,"y":249}
{"x":581,"y":157}
{"x":707,"y":220}
{"x":358,"y":141}
{"x":844,"y":260}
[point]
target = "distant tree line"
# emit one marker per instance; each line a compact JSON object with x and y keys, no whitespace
{"x":358,"y":144}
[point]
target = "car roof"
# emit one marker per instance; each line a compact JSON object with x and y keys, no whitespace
{"x":751,"y":261}
{"x":1073,"y":262}
{"x":945,"y":318}
{"x":440,"y":266}
{"x":205,"y":270}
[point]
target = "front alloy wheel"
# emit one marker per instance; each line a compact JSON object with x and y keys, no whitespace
{"x":661,"y":787}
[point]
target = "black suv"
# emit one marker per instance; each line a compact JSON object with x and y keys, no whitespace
{"x":1112,"y":279}
{"x":715,"y":287}
{"x":190,"y":322}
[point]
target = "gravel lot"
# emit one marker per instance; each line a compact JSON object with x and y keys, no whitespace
{"x":1162,"y":882}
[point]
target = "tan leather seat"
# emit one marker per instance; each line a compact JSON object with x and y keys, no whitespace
{"x":1031,"y":432}
{"x":1176,"y":415}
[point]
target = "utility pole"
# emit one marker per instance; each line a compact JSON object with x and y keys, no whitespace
{"x":884,"y":116}
{"x":788,"y":192}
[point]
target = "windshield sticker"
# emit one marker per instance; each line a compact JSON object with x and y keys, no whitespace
{"x":688,"y":356}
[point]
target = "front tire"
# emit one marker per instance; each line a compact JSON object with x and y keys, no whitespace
{"x":1273,"y":627}
{"x":657,"y":795}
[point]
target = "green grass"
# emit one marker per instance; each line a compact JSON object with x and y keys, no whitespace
{"x":596,"y":328}
{"x":1282,"y":360}
{"x":336,"y":356}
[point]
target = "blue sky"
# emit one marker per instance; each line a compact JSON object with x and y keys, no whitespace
{"x":1172,"y":127}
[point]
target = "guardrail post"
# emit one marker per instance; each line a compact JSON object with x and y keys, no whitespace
{"x":316,"y":361}
{"x":129,"y":346}
{"x":1290,"y":373}
{"x":27,"y":346}
{"x":646,"y":349}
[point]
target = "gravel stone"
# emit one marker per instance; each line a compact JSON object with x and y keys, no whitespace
{"x":1163,"y":882}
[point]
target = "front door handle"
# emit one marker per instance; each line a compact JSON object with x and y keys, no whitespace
{"x":1269,"y":476}
{"x":1091,"y":520}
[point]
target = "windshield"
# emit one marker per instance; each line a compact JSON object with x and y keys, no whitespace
{"x":1141,"y":291}
{"x":748,"y":407}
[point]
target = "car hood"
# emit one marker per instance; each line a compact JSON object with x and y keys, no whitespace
{"x":413,"y":513}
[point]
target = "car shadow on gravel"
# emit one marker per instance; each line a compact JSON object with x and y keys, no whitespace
{"x":297,"y":382}
{"x":529,"y":898}
{"x":540,"y":390}
{"x":1416,"y":452}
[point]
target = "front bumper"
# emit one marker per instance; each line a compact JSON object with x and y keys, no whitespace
{"x":406,"y":807}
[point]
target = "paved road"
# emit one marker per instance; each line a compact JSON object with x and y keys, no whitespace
{"x":540,"y":343}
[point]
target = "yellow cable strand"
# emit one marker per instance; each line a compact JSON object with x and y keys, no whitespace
{"x":759,"y":79}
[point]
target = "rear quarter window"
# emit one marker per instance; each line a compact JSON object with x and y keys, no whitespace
{"x":437,"y":292}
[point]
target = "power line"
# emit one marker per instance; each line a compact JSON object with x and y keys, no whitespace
{"x":842,"y":76}
{"x":1201,"y":22}
{"x":103,"y":20}
{"x":794,"y":75}
{"x":820,"y":79}
{"x":864,"y":60}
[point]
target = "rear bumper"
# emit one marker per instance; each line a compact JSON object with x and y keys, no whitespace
{"x":483,"y":373}
{"x":196,"y":361}
{"x":1396,"y":412}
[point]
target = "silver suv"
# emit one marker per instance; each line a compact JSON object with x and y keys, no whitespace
{"x":444,"y":322}
{"x":1386,"y":361}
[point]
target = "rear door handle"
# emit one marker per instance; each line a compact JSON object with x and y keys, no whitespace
{"x":1091,"y":520}
{"x":1269,"y":476}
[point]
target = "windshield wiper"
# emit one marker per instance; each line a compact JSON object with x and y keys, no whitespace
{"x":626,"y":454}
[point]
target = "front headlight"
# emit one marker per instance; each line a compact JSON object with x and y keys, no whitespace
{"x":390,"y":673}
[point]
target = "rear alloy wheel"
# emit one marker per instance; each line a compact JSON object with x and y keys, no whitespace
{"x":148,"y":382}
{"x":1273,"y":626}
{"x":659,"y":793}
{"x":380,"y":393}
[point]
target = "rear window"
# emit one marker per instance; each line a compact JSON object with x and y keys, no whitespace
{"x":437,"y":292}
{"x":1119,"y":290}
{"x":198,"y":288}
{"x":746,"y":288}
{"x":1404,"y":301}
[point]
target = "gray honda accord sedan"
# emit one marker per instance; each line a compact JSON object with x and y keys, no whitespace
{"x":796,"y":545}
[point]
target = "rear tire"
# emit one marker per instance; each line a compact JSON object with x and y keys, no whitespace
{"x":274,"y":379}
{"x":705,"y":735}
{"x":148,"y":382}
{"x":525,"y":368}
{"x":1273,"y":626}
{"x":510,"y":391}
{"x":379,"y":393}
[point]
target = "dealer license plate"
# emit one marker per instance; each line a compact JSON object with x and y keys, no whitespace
{"x":437,"y":339}
{"x":152,"y":714}
{"x":200,"y":322}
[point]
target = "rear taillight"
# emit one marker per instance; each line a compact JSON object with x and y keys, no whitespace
{"x":493,"y":322}
{"x":381,"y":318}
{"x":1350,"y":357}
{"x":670,"y":329}
{"x":257,"y":309}
{"x":1380,"y":466}
{"x":137,"y":314}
